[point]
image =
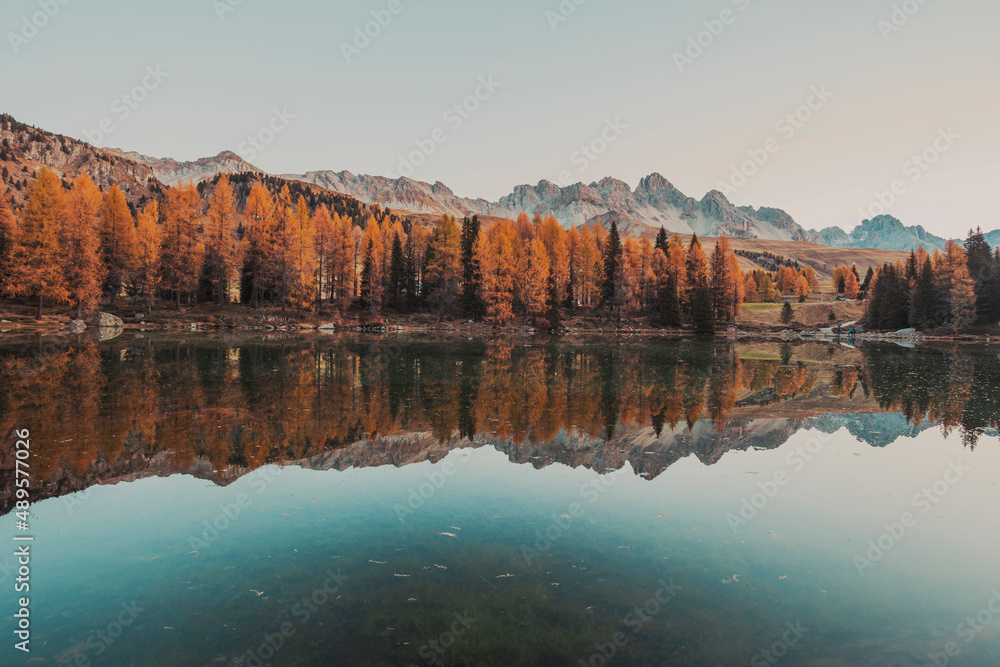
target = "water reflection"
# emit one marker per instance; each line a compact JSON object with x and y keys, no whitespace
{"x":217,"y":407}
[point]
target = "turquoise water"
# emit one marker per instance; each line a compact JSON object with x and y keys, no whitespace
{"x":771,"y":535}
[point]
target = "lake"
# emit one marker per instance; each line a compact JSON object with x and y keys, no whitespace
{"x":440,"y":500}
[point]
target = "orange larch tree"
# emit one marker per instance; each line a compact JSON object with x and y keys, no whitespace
{"x":536,"y":279}
{"x":696,"y":269}
{"x":751,"y":294}
{"x":851,"y":286}
{"x":258,"y":245}
{"x":322,"y":249}
{"x":82,"y":241}
{"x":303,"y":292}
{"x":37,"y":262}
{"x":444,"y":264}
{"x":342,"y":262}
{"x":146,"y":276}
{"x":496,"y":257}
{"x":181,"y":255}
{"x":677,"y":264}
{"x":554,"y":237}
{"x":220,"y":241}
{"x":373,"y":266}
{"x":726,"y":280}
{"x":117,"y":241}
{"x":788,"y":280}
{"x":589,"y":272}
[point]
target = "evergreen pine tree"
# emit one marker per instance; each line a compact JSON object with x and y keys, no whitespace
{"x":703,"y":309}
{"x":555,"y":320}
{"x":612,"y":258}
{"x":471,"y":271}
{"x":670,"y":303}
{"x":924,"y":302}
{"x":396,"y":293}
{"x":787,"y":314}
{"x":662,"y":243}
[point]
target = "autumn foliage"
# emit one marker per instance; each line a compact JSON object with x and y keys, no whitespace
{"x":267,"y":243}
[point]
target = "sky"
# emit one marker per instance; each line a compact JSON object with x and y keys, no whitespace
{"x":833,"y":111}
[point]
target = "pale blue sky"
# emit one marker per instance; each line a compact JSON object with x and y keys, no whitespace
{"x":557,"y":89}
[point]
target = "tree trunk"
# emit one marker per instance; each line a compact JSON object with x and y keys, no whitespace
{"x":39,"y":315}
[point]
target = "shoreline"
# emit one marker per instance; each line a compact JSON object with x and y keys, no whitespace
{"x":407,"y":326}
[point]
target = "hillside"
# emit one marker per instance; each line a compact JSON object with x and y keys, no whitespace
{"x":24,"y":149}
{"x":171,"y":172}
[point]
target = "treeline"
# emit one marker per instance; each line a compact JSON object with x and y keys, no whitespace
{"x":267,"y":243}
{"x":955,"y":288}
{"x":769,"y":260}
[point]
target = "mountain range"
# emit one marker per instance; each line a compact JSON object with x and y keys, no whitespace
{"x":654,"y":203}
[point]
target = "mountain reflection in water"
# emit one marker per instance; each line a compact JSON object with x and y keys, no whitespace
{"x":218,"y":407}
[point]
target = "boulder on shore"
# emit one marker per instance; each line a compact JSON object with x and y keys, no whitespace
{"x":77,"y":326}
{"x":109,"y":321}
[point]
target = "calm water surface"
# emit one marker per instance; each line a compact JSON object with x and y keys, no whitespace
{"x":361,"y":501}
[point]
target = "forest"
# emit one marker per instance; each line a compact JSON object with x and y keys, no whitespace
{"x":260,"y":243}
{"x":267,"y":243}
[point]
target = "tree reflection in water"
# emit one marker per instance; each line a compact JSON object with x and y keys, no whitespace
{"x":174,"y":402}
